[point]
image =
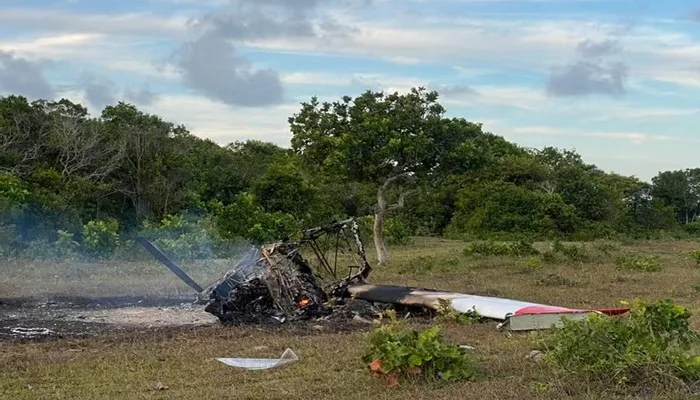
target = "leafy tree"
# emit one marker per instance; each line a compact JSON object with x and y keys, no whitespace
{"x":680,"y":189}
{"x":155,"y":175}
{"x":383,"y":139}
{"x":502,"y":207}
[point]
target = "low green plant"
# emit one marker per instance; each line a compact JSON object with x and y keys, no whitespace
{"x":653,"y":344}
{"x":572,"y":252}
{"x":65,"y":246}
{"x":606,"y":247}
{"x":397,"y":351}
{"x":695,"y":256}
{"x":492,"y":248}
{"x":534,"y":264}
{"x":101,"y":238}
{"x":639,"y":262}
{"x":448,"y":313}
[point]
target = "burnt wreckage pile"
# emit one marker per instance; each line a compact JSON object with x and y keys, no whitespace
{"x":274,"y":282}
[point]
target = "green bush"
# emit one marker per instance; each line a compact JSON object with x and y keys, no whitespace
{"x":397,"y":351}
{"x":651,"y":345}
{"x":692,"y":228}
{"x":395,"y":230}
{"x":245,"y":220}
{"x":533,"y":264}
{"x":65,"y":246}
{"x":695,"y":256}
{"x":639,"y":262}
{"x":101,"y":238}
{"x":492,"y":248}
{"x":572,"y":252}
{"x":186,"y":238}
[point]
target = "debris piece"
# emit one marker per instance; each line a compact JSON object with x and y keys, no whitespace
{"x":31,"y":331}
{"x":535,"y":355}
{"x":361,"y":320}
{"x":517,"y":315}
{"x":261,"y":363}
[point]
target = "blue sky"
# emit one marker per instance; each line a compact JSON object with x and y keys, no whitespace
{"x":616,"y":80}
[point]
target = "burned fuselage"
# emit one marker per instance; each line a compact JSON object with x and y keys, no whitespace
{"x":274,"y":282}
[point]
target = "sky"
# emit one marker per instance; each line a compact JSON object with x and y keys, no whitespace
{"x":616,"y":80}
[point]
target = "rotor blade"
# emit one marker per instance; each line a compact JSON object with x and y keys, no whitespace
{"x":169,"y":263}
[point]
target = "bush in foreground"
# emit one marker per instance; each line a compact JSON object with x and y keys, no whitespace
{"x":651,"y":347}
{"x":400,"y":352}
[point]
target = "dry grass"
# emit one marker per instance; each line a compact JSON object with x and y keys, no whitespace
{"x":133,"y":366}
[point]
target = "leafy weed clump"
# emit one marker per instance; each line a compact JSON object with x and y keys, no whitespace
{"x":400,"y":352}
{"x":493,"y":248}
{"x":695,"y":256}
{"x":447,"y":313}
{"x":572,"y":252}
{"x":651,"y":347}
{"x":639,"y":262}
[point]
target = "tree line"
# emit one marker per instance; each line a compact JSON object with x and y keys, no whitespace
{"x":70,"y":181}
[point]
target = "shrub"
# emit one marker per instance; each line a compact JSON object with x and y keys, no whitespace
{"x":695,"y":256}
{"x":492,"y":248}
{"x":606,"y":247}
{"x":245,"y":220}
{"x":101,"y":238}
{"x":534,"y":264}
{"x":397,"y":351}
{"x":186,"y":237}
{"x":653,"y":344}
{"x":692,"y":228}
{"x":65,"y":246}
{"x":395,"y":230}
{"x":639,"y":262}
{"x":448,"y":313}
{"x":572,"y":252}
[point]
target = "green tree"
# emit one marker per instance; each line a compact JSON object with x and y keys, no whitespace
{"x":387,"y":140}
{"x":681,"y":190}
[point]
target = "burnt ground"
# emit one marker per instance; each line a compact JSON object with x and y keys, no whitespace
{"x":56,"y":317}
{"x":62,"y":316}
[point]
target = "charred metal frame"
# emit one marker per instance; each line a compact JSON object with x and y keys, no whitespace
{"x":287,"y":278}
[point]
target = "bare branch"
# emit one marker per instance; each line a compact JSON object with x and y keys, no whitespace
{"x":84,"y":148}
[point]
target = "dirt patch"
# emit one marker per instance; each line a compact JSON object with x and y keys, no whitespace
{"x":36,"y":319}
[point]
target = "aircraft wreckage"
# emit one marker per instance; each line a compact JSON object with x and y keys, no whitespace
{"x":275,"y":282}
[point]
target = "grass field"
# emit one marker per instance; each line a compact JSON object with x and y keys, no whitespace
{"x":179,"y":363}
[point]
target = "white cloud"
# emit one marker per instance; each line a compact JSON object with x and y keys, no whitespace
{"x":635,"y":113}
{"x":633,"y":137}
{"x":148,"y":69}
{"x":54,"y":46}
{"x":223,"y":124}
{"x":130,"y":24}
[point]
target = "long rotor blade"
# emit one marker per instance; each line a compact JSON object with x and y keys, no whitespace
{"x":169,"y":263}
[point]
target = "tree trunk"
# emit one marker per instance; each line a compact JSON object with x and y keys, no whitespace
{"x":379,"y":214}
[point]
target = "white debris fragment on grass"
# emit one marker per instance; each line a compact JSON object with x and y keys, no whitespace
{"x":261,"y":363}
